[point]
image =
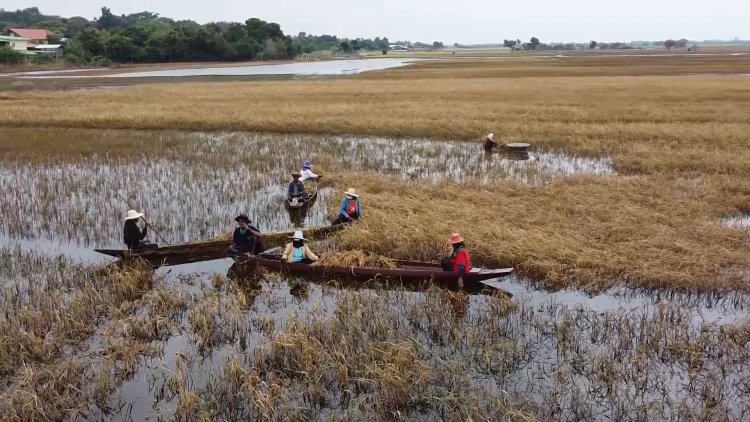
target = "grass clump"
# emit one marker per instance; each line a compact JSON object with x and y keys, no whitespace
{"x":355,"y":259}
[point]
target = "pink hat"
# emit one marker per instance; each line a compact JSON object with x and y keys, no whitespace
{"x":455,"y":238}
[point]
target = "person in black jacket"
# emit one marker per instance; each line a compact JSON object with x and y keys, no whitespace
{"x":134,"y":236}
{"x":246,"y":238}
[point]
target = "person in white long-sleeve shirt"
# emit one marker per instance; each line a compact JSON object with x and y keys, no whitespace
{"x":306,"y":173}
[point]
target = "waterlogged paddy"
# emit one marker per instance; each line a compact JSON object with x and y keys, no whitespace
{"x":196,"y":343}
{"x":191,"y":185}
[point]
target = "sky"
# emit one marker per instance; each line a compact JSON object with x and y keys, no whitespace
{"x":462,"y":21}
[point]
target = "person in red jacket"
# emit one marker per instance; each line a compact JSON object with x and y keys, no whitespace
{"x":459,"y":261}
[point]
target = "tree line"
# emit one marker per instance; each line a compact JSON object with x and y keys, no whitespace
{"x":535,"y":44}
{"x":148,"y":37}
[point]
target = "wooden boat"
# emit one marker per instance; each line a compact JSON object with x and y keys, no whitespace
{"x":405,"y":272}
{"x":307,"y":200}
{"x":206,"y":250}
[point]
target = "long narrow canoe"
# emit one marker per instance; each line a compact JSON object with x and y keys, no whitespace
{"x":405,"y":271}
{"x":206,"y":250}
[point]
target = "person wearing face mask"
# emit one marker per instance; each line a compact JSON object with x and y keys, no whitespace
{"x":246,"y":238}
{"x":351,"y":208}
{"x":297,"y":251}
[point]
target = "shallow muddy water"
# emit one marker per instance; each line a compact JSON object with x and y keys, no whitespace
{"x":565,"y":355}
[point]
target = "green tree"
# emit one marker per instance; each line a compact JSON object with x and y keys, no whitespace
{"x":534,"y":43}
{"x":512,"y":44}
{"x":593,"y":44}
{"x":93,"y":41}
{"x":9,"y":56}
{"x":120,"y":48}
{"x":669,"y":44}
{"x":107,"y":20}
{"x":345,"y":46}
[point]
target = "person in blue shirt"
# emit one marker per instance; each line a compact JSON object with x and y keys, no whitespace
{"x":246,"y":238}
{"x":351,"y":208}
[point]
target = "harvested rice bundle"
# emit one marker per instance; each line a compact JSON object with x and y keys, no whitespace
{"x":356,"y":258}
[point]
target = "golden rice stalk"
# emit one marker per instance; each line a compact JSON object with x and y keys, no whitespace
{"x":356,"y":258}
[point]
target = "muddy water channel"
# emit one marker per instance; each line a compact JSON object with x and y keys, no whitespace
{"x":195,"y":344}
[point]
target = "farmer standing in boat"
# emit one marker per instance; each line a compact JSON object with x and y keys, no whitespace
{"x":246,"y":238}
{"x":489,"y":143}
{"x":351,"y":208}
{"x":307,"y":173}
{"x":296,"y":190}
{"x":459,"y":260}
{"x":134,"y":236}
{"x":297,"y":251}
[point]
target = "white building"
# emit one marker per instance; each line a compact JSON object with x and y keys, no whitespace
{"x":14,"y":43}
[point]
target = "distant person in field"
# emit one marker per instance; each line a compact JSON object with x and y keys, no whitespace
{"x":134,"y":235}
{"x":297,"y":251}
{"x":489,"y":143}
{"x":246,"y":239}
{"x":459,"y":260}
{"x":307,"y":174}
{"x":351,"y":208}
{"x":296,"y":190}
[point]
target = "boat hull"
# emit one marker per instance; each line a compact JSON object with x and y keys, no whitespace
{"x":406,"y":272}
{"x":207,"y":250}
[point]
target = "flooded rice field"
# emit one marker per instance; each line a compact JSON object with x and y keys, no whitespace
{"x":83,"y":339}
{"x":191,"y":185}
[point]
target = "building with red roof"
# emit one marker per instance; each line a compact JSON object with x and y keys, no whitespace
{"x":35,"y":36}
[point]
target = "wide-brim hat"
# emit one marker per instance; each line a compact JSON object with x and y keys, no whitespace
{"x":133,"y":215}
{"x":243,"y":217}
{"x":455,"y":238}
{"x":307,"y":163}
{"x":491,"y":136}
{"x":296,"y":174}
{"x":298,"y":235}
{"x":352,"y":192}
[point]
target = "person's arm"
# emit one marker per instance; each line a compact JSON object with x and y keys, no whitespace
{"x":287,"y":253}
{"x":290,"y":190}
{"x":342,"y":210}
{"x":309,"y":254}
{"x":236,"y":237}
{"x":254,"y":230}
{"x":359,"y":207}
{"x":144,"y":232}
